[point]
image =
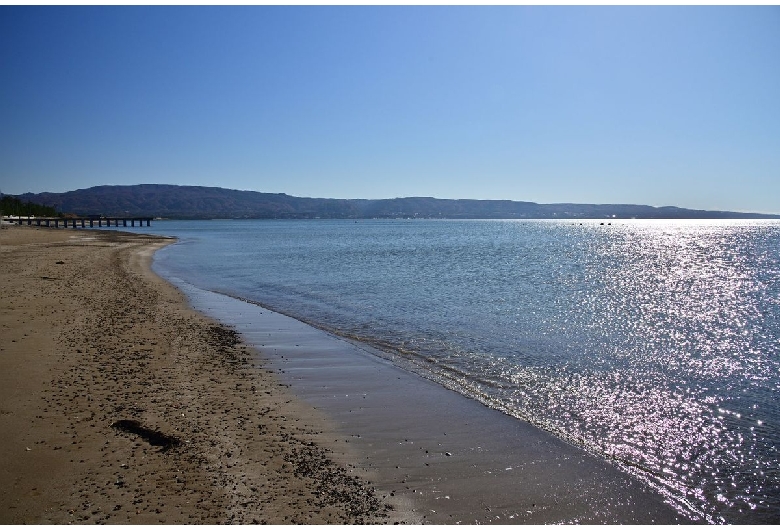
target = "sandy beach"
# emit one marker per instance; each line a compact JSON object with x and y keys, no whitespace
{"x":119,"y":404}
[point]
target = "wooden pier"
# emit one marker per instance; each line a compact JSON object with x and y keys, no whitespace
{"x":77,"y":222}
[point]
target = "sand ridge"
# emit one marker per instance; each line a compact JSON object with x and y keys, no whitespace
{"x":122,"y":405}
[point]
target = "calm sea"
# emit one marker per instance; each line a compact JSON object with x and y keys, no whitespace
{"x":655,"y":344}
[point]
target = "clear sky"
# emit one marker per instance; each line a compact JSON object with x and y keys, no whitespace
{"x":652,"y":105}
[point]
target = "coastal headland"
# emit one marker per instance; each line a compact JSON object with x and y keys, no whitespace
{"x":119,"y":403}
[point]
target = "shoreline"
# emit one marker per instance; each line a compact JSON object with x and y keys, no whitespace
{"x":450,"y":458}
{"x":291,"y":426}
{"x":121,"y":404}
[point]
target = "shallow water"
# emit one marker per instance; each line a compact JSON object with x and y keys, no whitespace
{"x":654,"y":344}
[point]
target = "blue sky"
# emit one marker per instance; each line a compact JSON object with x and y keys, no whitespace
{"x":652,"y":105}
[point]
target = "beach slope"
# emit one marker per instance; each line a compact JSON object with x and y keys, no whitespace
{"x":120,"y":404}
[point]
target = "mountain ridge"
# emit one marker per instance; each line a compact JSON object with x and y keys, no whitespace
{"x":202,"y":202}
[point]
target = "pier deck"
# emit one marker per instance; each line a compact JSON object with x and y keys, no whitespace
{"x":77,"y":222}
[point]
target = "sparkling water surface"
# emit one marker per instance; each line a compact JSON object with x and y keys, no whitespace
{"x":655,"y":344}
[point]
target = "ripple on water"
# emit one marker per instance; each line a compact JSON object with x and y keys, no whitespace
{"x":655,"y":344}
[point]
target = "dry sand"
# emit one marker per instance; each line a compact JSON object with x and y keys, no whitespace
{"x":119,"y":404}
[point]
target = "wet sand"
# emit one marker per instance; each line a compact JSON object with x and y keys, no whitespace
{"x":447,"y":459}
{"x":120,"y":404}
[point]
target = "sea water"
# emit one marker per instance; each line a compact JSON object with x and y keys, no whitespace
{"x":654,"y":344}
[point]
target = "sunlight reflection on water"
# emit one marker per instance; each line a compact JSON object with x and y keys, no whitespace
{"x":676,"y":331}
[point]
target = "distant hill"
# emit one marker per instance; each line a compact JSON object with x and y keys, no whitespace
{"x":197,"y":202}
